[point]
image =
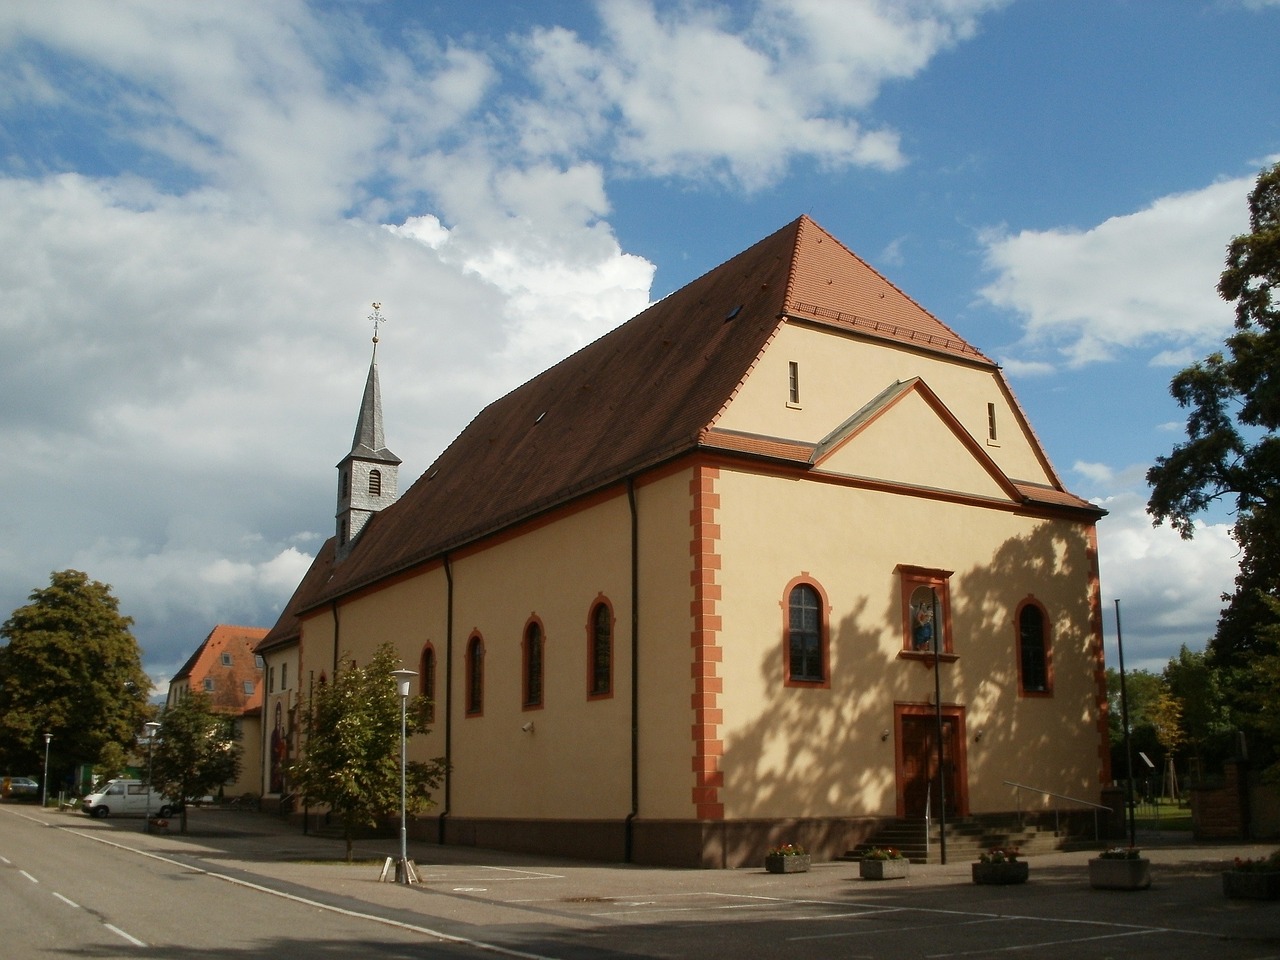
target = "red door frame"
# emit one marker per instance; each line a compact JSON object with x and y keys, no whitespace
{"x":958,"y":785}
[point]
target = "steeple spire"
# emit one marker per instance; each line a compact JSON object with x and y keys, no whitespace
{"x":367,"y":476}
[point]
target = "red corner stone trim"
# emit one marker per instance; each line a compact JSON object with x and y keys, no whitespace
{"x":705,"y":639}
{"x":1099,"y":653}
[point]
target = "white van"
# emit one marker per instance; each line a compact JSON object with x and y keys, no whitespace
{"x":127,"y":798}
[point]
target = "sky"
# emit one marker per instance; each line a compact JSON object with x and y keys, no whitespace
{"x":200,"y":202}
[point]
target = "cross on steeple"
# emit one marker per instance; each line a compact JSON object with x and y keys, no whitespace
{"x":377,"y":318}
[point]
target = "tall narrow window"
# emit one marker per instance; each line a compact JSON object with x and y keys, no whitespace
{"x":284,"y":676}
{"x":427,"y":681}
{"x":806,"y":647}
{"x":1033,"y":648}
{"x":475,"y":677}
{"x":793,"y":382}
{"x":991,"y":421}
{"x":601,"y":683}
{"x":346,"y":484}
{"x":533,"y":664}
{"x":375,"y":483}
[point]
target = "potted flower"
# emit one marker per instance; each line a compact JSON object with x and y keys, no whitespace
{"x":883,"y":863}
{"x":1120,"y":868}
{"x":788,"y":858}
{"x":1257,"y":879}
{"x":1001,"y":865}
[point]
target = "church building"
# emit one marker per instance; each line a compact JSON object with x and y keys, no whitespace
{"x":780,"y":559}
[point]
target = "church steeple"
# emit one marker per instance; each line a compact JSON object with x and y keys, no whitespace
{"x":367,"y":476}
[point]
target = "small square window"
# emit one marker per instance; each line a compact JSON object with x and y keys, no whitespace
{"x":248,"y":686}
{"x":226,"y":659}
{"x":208,"y":683}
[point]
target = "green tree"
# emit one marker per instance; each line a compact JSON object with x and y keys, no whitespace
{"x":1206,"y":720}
{"x":351,"y":758}
{"x":1232,"y":451}
{"x":71,"y":668}
{"x":1144,"y":690}
{"x":196,"y":750}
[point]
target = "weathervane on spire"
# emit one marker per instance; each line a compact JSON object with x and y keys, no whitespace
{"x":377,"y":318}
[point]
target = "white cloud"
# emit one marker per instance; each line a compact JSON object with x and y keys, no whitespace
{"x":694,"y":92}
{"x":188,"y":267}
{"x":1170,"y":590}
{"x":1146,"y":279}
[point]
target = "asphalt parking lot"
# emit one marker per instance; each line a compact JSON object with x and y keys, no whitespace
{"x":538,"y":907}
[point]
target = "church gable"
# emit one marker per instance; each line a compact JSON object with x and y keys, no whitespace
{"x":906,"y":436}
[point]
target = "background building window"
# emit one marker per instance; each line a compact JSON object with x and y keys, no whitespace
{"x":375,"y":483}
{"x":1033,"y":648}
{"x":601,"y":650}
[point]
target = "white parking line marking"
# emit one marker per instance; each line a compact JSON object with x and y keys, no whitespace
{"x":70,"y":903}
{"x":28,"y":876}
{"x":1049,"y":943}
{"x":400,"y":925}
{"x":116,"y":930}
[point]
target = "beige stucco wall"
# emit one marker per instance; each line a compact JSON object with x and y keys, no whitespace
{"x":818,"y":752}
{"x":840,"y":373}
{"x":666,"y":623}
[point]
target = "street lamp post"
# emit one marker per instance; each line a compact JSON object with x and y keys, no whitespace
{"x":405,"y":872}
{"x":149,"y":730}
{"x":44,"y":781}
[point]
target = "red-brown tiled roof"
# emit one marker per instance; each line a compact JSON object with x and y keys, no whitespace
{"x":832,"y":284}
{"x":646,"y":392}
{"x":228,"y":693}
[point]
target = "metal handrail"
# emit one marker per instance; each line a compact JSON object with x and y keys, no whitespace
{"x":1058,"y":796}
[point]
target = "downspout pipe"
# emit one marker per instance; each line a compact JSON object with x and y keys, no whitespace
{"x":448,"y":701}
{"x":333,"y":671}
{"x":629,"y":829}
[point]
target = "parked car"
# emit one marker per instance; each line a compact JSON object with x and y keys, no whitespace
{"x":127,"y":798}
{"x":19,"y":787}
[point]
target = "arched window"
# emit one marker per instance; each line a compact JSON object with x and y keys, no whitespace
{"x":533,"y":664}
{"x":1033,"y":649}
{"x":475,"y":676}
{"x":427,"y":681}
{"x":375,"y":483}
{"x":806,"y":635}
{"x":601,"y":651}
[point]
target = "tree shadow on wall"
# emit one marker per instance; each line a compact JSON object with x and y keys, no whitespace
{"x":830,"y":753}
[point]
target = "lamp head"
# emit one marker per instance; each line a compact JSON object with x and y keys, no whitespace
{"x":402,"y":679}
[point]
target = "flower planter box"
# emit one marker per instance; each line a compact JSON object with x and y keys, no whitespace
{"x":1015,"y":871}
{"x":883,"y":869}
{"x":1109,"y":874}
{"x":779,"y":863}
{"x":1251,"y":885}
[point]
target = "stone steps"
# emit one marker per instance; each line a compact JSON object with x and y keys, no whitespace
{"x":966,"y":839}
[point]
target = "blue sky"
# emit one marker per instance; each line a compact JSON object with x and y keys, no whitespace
{"x":200,"y":202}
